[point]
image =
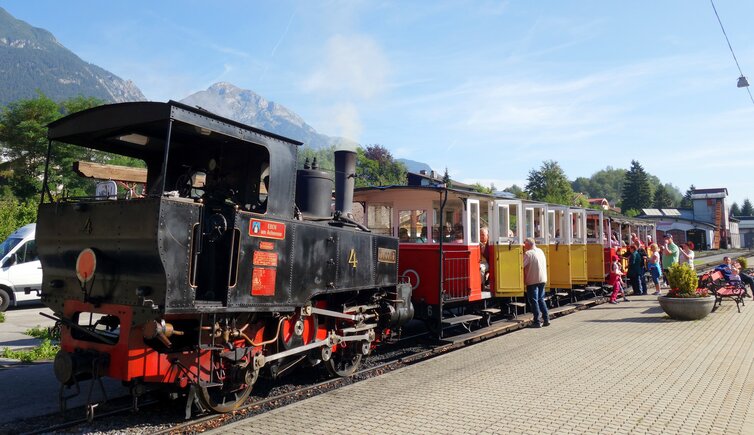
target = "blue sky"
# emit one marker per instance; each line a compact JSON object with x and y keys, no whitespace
{"x":488,"y":89}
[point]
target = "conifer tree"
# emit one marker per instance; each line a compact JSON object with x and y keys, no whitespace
{"x":687,"y":202}
{"x":662,"y":198}
{"x":636,"y":193}
{"x":735,"y":210}
{"x":747,"y":209}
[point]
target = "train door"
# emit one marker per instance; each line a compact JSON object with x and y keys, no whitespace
{"x":507,"y":247}
{"x":559,"y":257}
{"x":536,"y":227}
{"x":595,"y":246}
{"x":577,"y":222}
{"x":471,"y":217}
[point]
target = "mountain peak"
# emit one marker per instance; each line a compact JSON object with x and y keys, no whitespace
{"x":244,"y":105}
{"x":32,"y":59}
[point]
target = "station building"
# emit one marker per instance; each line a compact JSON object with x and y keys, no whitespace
{"x":706,"y":224}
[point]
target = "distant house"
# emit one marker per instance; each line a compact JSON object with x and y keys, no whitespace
{"x":601,"y":202}
{"x":707,"y":224}
{"x":746,"y":231}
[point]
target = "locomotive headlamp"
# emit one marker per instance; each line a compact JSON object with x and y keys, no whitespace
{"x":86,"y":265}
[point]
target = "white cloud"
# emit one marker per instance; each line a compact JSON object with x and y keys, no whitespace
{"x":354,"y":66}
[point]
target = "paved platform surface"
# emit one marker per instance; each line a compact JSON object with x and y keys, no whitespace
{"x":612,"y":369}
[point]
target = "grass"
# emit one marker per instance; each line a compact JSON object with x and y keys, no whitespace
{"x":2,"y":317}
{"x":46,"y":350}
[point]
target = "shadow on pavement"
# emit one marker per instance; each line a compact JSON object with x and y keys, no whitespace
{"x":648,"y":319}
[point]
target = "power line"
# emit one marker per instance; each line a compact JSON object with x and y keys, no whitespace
{"x":731,"y":49}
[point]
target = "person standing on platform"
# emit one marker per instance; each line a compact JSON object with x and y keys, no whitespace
{"x":614,"y":279}
{"x":653,"y":264}
{"x":687,"y":254}
{"x":535,"y":277}
{"x":636,"y":271}
{"x":669,"y":255}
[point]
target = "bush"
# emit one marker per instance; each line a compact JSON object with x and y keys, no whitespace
{"x":14,"y":215}
{"x":743,"y":262}
{"x":683,"y":282}
{"x":45,"y":351}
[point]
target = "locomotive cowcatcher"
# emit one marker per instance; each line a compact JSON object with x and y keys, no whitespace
{"x":231,"y":263}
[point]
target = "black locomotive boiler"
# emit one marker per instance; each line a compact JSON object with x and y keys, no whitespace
{"x":229,"y":265}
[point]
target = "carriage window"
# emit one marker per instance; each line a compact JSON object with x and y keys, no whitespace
{"x":577,"y":226}
{"x":551,"y":223}
{"x":512,"y":229}
{"x":474,"y":222}
{"x":452,"y":231}
{"x":412,"y":227}
{"x":530,"y":223}
{"x":380,"y":219}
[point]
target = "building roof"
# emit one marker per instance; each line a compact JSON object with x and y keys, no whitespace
{"x":718,"y":192}
{"x":653,"y":212}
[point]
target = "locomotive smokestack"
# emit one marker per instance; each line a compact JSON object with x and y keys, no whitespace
{"x":345,"y":176}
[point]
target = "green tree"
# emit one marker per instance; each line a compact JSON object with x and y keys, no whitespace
{"x":479,"y":187}
{"x":735,"y":210}
{"x":605,"y":183}
{"x":662,"y":198}
{"x":746,"y":208}
{"x":636,"y":193}
{"x":549,"y":184}
{"x":23,"y":139}
{"x":325,"y":157}
{"x":446,"y":178}
{"x":518,"y":191}
{"x":687,"y":202}
{"x":375,"y":166}
{"x":14,"y":214}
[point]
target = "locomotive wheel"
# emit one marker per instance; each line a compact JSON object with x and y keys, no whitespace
{"x":345,"y":360}
{"x":232,"y":393}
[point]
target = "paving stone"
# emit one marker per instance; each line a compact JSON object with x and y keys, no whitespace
{"x":609,"y":369}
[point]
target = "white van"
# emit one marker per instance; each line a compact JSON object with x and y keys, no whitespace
{"x":20,"y":269}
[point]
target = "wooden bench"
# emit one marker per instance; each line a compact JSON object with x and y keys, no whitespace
{"x":721,"y":289}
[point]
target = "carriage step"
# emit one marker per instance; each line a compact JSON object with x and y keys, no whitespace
{"x":592,"y":288}
{"x":461,"y":319}
{"x":578,"y":290}
{"x":517,"y":304}
{"x":491,"y":310}
{"x":561,"y":294}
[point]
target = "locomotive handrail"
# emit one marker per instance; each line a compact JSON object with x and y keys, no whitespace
{"x":338,"y":216}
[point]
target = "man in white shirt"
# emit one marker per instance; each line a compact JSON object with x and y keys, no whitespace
{"x":535,"y":277}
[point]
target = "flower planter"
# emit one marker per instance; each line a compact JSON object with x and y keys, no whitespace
{"x":687,"y":308}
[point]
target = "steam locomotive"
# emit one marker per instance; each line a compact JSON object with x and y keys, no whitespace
{"x":229,"y":264}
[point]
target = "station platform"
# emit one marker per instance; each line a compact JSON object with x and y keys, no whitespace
{"x":613,"y":369}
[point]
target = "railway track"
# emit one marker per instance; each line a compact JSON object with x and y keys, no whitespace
{"x":277,"y":400}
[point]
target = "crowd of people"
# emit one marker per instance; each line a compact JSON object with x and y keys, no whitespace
{"x":656,"y":259}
